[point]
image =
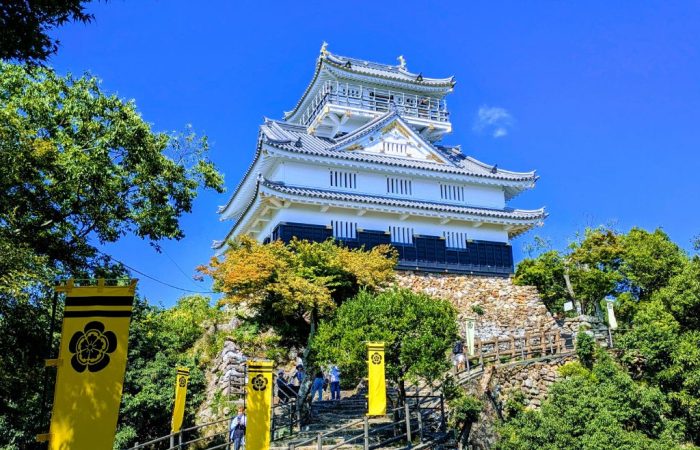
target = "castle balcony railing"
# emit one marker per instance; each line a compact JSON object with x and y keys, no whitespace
{"x":373,"y":99}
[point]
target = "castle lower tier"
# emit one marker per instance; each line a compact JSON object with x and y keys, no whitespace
{"x":424,"y":253}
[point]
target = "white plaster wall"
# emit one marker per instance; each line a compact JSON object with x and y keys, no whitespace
{"x":300,"y":174}
{"x":378,"y":221}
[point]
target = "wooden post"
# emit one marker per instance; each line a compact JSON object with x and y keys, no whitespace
{"x":543,"y":345}
{"x":442,"y":413}
{"x":291,"y":420}
{"x":550,"y":341}
{"x":407,"y":416}
{"x":366,"y":430}
{"x":512,"y":347}
{"x":319,"y":443}
{"x":420,"y":423}
{"x":522,"y":347}
{"x":498,"y":348}
{"x":478,"y":349}
{"x":562,"y":343}
{"x":528,"y":345}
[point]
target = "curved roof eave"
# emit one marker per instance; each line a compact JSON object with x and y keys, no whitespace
{"x":445,"y":83}
{"x":442,"y":168}
{"x":227,"y":210}
{"x":515,"y":215}
{"x":220,"y":244}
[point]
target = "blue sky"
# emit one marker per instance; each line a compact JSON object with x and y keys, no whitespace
{"x":601,"y":98}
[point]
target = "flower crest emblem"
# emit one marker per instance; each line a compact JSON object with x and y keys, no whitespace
{"x":259,"y":383}
{"x":91,"y":347}
{"x":182,"y":381}
{"x":376,"y":358}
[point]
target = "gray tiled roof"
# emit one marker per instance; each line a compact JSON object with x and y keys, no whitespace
{"x":288,"y":137}
{"x":383,"y":70}
{"x":506,"y":213}
{"x":294,"y":138}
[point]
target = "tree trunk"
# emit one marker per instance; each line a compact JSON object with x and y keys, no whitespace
{"x":464,"y":434}
{"x":402,"y":391}
{"x":304,"y":386}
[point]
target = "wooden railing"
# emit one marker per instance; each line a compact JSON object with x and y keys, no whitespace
{"x":375,"y":99}
{"x":529,"y":345}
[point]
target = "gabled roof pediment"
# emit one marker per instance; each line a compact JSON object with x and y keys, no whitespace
{"x":389,"y":135}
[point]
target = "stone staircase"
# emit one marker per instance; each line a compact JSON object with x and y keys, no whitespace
{"x":346,"y":416}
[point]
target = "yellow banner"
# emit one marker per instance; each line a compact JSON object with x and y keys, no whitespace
{"x":90,"y":366}
{"x":377,"y":381}
{"x":183,"y":376}
{"x":259,"y":404}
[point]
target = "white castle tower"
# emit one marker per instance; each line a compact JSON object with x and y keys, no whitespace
{"x":357,"y":160}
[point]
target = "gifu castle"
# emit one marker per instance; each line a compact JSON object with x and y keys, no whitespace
{"x":358,"y":159}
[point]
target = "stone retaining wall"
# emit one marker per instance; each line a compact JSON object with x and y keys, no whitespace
{"x":500,"y":307}
{"x":533,"y":379}
{"x":591,"y":324}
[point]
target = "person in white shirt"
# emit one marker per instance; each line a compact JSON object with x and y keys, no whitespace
{"x":335,"y":383}
{"x":237,"y":429}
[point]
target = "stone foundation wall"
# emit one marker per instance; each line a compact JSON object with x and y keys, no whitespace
{"x":500,"y":307}
{"x":533,"y":379}
{"x":224,"y":378}
{"x":591,"y":324}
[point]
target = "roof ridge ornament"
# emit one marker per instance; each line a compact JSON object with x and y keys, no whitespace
{"x":324,"y":49}
{"x":402,"y":62}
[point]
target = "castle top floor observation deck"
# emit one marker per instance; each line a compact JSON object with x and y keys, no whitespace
{"x":346,"y":93}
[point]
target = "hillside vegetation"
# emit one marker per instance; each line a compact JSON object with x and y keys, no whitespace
{"x":649,"y":395}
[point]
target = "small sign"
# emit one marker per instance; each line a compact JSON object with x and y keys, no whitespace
{"x":568,"y":306}
{"x":612,"y":322}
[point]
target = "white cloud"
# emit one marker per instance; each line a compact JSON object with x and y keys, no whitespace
{"x":493,"y":120}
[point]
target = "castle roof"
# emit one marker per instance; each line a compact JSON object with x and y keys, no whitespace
{"x":285,"y":136}
{"x":295,"y":140}
{"x":344,"y":67}
{"x":521,"y":220}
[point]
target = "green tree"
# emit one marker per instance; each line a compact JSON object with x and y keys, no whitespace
{"x":463,"y":413}
{"x":291,"y":287}
{"x":650,"y":260}
{"x":602,"y":262}
{"x":585,"y":349}
{"x":547,"y":273}
{"x":681,"y":295}
{"x":663,"y":348}
{"x":26,"y":24}
{"x":417,"y":330}
{"x":597,"y":409}
{"x":78,"y":167}
{"x":160,"y":340}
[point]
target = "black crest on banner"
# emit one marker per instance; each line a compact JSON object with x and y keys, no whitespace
{"x":91,"y":347}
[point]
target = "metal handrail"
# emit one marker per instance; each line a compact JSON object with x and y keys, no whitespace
{"x":179,"y":433}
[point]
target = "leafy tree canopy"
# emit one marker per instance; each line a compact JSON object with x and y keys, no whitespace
{"x":161,"y":340}
{"x":417,"y":330}
{"x":603,"y":262}
{"x":77,"y":167}
{"x":290,"y":287}
{"x":77,"y":164}
{"x":597,"y":409}
{"x":25,"y":25}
